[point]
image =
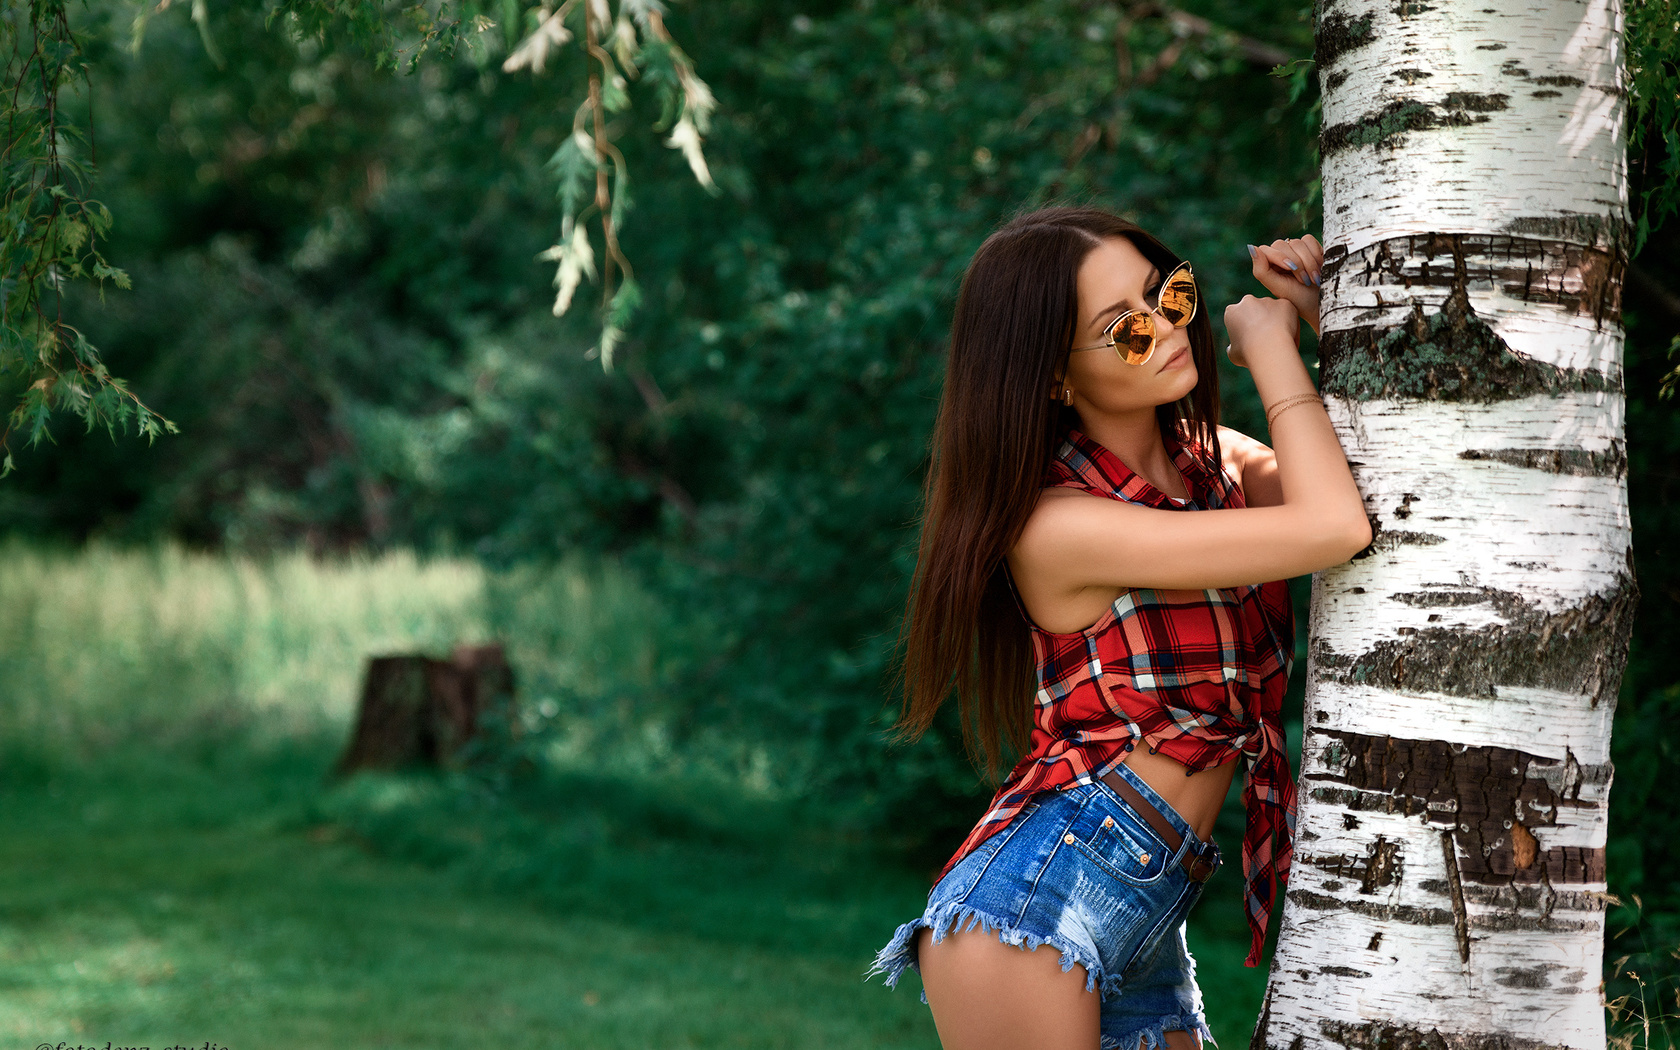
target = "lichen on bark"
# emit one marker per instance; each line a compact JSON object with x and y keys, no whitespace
{"x":1337,"y":34}
{"x":1385,"y":1035}
{"x":1386,"y":126}
{"x":1447,"y":355}
{"x":1581,"y":649}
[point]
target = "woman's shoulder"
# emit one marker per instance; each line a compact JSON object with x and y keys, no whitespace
{"x":1238,"y":452}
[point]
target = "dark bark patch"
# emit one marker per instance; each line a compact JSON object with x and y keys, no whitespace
{"x":1475,"y":102}
{"x":1610,"y":463}
{"x":1518,"y":898}
{"x":1383,"y":1035}
{"x":1389,"y":539}
{"x":1547,"y":94}
{"x":1582,"y":649}
{"x":1406,"y":913}
{"x":1437,"y":599}
{"x":1538,"y":976}
{"x":1448,"y":355}
{"x":1559,"y":81}
{"x":1387,"y":126}
{"x":1257,"y":1041}
{"x":1377,"y":867}
{"x":1475,"y":796}
{"x":1344,"y":971}
{"x":1603,"y":232}
{"x":1337,"y":34}
{"x":1413,"y":915}
{"x":1408,"y":8}
{"x":1575,"y":261}
{"x":1412,"y":76}
{"x":1455,"y":889}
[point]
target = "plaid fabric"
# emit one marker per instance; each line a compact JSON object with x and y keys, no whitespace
{"x":1197,"y":675}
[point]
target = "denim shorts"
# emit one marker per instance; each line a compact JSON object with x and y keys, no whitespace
{"x":1079,"y":870}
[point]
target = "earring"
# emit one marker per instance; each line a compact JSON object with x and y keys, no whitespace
{"x":1067,"y":396}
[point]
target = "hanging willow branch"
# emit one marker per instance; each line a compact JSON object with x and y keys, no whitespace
{"x":50,"y":237}
{"x":619,"y":49}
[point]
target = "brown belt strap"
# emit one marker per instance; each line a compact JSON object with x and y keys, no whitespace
{"x":1197,"y":868}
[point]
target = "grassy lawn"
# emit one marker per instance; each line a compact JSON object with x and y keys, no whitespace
{"x":184,"y":903}
{"x":234,"y":900}
{"x":176,"y":871}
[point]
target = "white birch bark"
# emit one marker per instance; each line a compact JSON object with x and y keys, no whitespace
{"x":1448,"y":888}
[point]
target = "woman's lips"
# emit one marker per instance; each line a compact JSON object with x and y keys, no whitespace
{"x":1182,"y":355}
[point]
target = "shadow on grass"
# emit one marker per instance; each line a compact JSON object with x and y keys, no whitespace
{"x":150,"y":899}
{"x":663,"y":854}
{"x":233,"y":893}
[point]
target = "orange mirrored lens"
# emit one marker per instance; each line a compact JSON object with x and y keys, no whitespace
{"x":1134,"y":338}
{"x":1178,"y":298}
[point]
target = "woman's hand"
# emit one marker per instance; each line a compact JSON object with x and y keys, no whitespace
{"x":1289,"y":269}
{"x":1257,"y":322}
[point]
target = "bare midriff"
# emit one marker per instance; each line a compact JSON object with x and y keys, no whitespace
{"x":1197,"y":797}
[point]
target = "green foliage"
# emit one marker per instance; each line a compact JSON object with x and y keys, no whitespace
{"x":634,"y":45}
{"x":1653,"y":49}
{"x":342,"y":311}
{"x":1641,"y":969}
{"x":52,"y":234}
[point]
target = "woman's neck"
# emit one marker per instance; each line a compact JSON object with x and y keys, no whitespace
{"x":1136,"y":439}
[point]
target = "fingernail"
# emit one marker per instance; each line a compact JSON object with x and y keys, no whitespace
{"x":1251,"y":252}
{"x":1291,"y":265}
{"x":1315,"y":279}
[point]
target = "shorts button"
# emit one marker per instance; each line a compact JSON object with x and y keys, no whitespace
{"x":1068,"y":838}
{"x":1108,"y":822}
{"x":1144,"y":858}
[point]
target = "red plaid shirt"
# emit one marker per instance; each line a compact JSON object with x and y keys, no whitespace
{"x":1197,"y":675}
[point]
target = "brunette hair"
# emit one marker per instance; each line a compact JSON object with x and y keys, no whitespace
{"x":995,"y":434}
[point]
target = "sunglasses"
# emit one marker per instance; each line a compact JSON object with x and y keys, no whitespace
{"x":1132,"y":335}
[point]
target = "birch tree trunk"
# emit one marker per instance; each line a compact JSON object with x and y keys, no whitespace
{"x":1448,"y":888}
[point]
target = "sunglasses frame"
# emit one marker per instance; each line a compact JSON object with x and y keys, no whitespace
{"x":1154,"y":332}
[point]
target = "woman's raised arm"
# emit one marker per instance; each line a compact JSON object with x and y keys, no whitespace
{"x":1075,"y":541}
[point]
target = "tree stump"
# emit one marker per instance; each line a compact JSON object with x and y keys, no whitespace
{"x":418,"y":710}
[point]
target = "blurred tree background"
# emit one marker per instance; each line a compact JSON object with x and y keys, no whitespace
{"x":336,"y":298}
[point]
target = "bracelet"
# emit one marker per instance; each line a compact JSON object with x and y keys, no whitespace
{"x":1278,"y":408}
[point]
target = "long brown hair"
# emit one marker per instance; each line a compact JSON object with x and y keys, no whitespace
{"x":996,"y":431}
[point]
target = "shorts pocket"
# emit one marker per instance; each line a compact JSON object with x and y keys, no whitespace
{"x":1118,"y":840}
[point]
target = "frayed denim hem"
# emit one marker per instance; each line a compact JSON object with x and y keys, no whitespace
{"x":1154,"y":1036}
{"x":898,"y":954}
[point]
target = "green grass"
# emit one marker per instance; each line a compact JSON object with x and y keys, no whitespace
{"x":176,"y":869}
{"x":240,"y":900}
{"x":157,"y":903}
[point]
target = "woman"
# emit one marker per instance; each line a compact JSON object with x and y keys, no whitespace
{"x":1059,"y":560}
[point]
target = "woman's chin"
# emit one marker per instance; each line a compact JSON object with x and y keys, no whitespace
{"x":1183,"y":381}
